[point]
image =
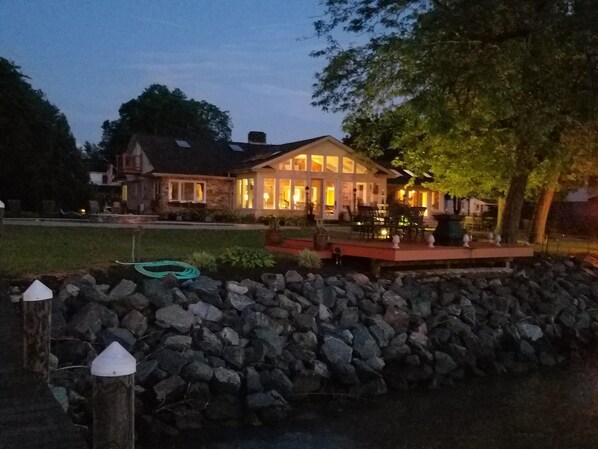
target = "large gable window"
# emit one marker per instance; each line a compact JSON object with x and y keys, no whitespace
{"x":187,"y":191}
{"x":348,"y":165}
{"x":317,"y":163}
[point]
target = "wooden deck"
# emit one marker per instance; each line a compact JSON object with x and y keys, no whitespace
{"x":30,"y":417}
{"x":381,"y":252}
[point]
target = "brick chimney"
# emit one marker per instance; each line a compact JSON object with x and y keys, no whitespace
{"x":256,"y":137}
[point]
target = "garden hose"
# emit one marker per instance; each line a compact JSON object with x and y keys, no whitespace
{"x":145,"y":268}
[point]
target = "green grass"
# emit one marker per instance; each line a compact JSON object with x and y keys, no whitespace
{"x":35,"y":250}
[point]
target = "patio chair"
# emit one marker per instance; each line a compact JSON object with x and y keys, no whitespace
{"x":416,"y":223}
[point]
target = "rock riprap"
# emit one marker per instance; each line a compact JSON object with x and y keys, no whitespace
{"x":243,"y":351}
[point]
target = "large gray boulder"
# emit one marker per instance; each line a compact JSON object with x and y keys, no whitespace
{"x":226,"y":380}
{"x":122,"y":289}
{"x":206,"y":311}
{"x":364,"y":344}
{"x":336,"y":352}
{"x":176,"y":317}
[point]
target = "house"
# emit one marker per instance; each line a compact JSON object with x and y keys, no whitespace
{"x":404,"y":187}
{"x":320,"y":175}
{"x":105,"y":188}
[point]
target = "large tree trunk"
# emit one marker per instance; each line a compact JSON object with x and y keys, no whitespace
{"x":500,"y":205}
{"x":513,"y":205}
{"x":538,"y":228}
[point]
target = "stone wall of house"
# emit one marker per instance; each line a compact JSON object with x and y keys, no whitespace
{"x":218,"y":195}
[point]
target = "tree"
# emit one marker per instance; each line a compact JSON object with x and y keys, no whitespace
{"x":160,"y":111}
{"x":479,"y":73}
{"x":40,"y":160}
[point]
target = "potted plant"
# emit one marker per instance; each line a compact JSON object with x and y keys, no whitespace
{"x":321,"y":237}
{"x":273,"y":234}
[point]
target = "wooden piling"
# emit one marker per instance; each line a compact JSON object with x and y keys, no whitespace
{"x":37,"y":315}
{"x":114,"y":399}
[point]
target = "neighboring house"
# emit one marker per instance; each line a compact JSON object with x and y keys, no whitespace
{"x":404,"y":187}
{"x":165,"y":174}
{"x":102,"y":177}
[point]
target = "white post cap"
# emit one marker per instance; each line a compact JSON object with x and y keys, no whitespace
{"x":37,"y":292}
{"x":114,"y":361}
{"x":1,"y":205}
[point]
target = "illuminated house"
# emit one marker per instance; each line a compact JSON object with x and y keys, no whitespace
{"x":319,"y":175}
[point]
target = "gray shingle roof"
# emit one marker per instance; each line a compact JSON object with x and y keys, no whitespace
{"x":209,"y":158}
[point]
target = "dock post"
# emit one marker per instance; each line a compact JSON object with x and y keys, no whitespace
{"x":113,"y":374}
{"x":37,"y":315}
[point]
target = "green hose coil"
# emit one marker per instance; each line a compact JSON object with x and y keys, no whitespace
{"x":187,"y":271}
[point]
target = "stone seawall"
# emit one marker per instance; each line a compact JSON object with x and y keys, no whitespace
{"x":241,"y":352}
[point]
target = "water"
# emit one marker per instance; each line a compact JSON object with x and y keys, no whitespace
{"x":548,"y":410}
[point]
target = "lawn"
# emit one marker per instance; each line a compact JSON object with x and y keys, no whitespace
{"x":35,"y":250}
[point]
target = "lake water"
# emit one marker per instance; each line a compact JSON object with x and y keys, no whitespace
{"x":549,"y":410}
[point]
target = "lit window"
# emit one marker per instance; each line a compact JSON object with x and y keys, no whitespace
{"x":187,"y":191}
{"x":300,"y":162}
{"x":269,"y":193}
{"x":286,"y":165}
{"x":360,"y":169}
{"x":331,"y":164}
{"x":348,"y":165}
{"x":299,"y":194}
{"x":284,"y":193}
{"x":245,"y":193}
{"x":317,"y":163}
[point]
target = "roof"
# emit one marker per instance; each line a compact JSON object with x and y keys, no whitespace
{"x":403,"y":175}
{"x":198,"y":157}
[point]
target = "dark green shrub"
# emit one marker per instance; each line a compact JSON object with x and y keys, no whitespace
{"x":243,"y":257}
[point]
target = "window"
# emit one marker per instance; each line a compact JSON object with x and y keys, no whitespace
{"x":317,"y":163}
{"x":360,"y":169}
{"x":245,"y":193}
{"x":187,"y":191}
{"x":435,"y":201}
{"x":286,"y":165}
{"x":299,"y":194}
{"x":331,"y":164}
{"x":300,"y":162}
{"x":284,"y":193}
{"x":269,"y":193}
{"x":348,"y":165}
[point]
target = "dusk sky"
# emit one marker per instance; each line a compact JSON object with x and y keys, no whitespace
{"x":249,"y":57}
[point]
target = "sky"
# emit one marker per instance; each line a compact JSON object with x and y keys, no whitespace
{"x":248,"y":57}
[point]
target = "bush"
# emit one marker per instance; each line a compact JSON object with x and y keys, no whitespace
{"x":310,"y":259}
{"x":242,"y":257}
{"x":203,"y":260}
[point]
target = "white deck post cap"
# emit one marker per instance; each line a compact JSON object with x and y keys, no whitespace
{"x":37,"y":292}
{"x":1,"y":205}
{"x":114,"y":361}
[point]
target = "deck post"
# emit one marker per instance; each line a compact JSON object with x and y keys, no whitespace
{"x":113,"y":374}
{"x":37,"y":315}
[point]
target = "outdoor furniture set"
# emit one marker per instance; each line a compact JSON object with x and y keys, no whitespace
{"x":372,"y":222}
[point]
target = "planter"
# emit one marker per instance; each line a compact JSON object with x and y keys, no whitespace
{"x":449,"y":231}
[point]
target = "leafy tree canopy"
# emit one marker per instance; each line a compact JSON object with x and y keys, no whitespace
{"x":479,"y":73}
{"x":40,"y":160}
{"x":160,"y":111}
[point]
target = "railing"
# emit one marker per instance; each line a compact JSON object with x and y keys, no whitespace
{"x":127,"y":163}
